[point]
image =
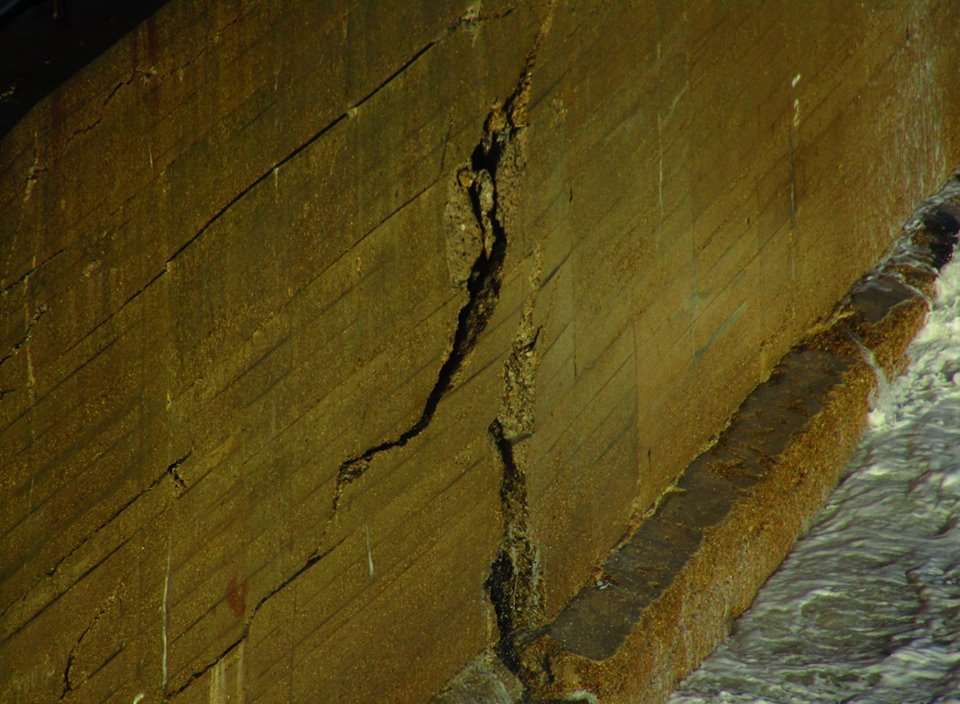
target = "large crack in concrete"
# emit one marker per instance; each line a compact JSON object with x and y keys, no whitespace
{"x":475,"y":216}
{"x":476,"y":190}
{"x":483,"y":189}
{"x":476,"y":186}
{"x":515,"y":584}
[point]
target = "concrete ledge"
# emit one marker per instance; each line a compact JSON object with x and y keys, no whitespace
{"x":669,"y":593}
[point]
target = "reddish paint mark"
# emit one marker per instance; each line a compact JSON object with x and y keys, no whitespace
{"x":237,"y":596}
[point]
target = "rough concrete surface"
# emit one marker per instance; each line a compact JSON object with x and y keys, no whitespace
{"x":341,"y":342}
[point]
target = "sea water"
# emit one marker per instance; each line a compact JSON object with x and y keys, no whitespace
{"x":867,"y":606}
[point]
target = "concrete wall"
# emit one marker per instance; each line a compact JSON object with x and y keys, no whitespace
{"x":340,"y":341}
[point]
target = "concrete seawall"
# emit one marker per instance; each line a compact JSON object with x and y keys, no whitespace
{"x":340,"y":343}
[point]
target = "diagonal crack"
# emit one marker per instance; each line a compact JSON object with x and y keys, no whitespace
{"x":346,"y":114}
{"x":478,"y":186}
{"x":270,"y":171}
{"x":483,"y":289}
{"x":68,"y":684}
{"x":55,"y":568}
{"x":25,"y":276}
{"x":145,"y":74}
{"x":170,"y":471}
{"x":314,"y":558}
{"x":467,"y":22}
{"x":169,"y":695}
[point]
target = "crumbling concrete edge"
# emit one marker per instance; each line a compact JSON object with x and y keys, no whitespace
{"x":668,"y":594}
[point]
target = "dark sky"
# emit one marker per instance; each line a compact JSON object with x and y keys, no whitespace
{"x":43,"y":42}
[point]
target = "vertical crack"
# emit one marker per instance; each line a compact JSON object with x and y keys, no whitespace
{"x":33,"y":175}
{"x":515,"y":585}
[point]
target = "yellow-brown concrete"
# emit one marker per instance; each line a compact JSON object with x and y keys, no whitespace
{"x":669,"y":593}
{"x":340,"y":342}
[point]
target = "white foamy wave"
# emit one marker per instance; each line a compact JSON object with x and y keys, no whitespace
{"x":866,"y":608}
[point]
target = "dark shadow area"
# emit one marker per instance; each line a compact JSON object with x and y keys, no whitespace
{"x":43,"y":42}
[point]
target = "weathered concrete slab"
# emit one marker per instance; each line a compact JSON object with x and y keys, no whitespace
{"x":340,"y":336}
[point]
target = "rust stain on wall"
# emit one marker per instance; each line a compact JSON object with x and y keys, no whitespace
{"x":237,"y":597}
